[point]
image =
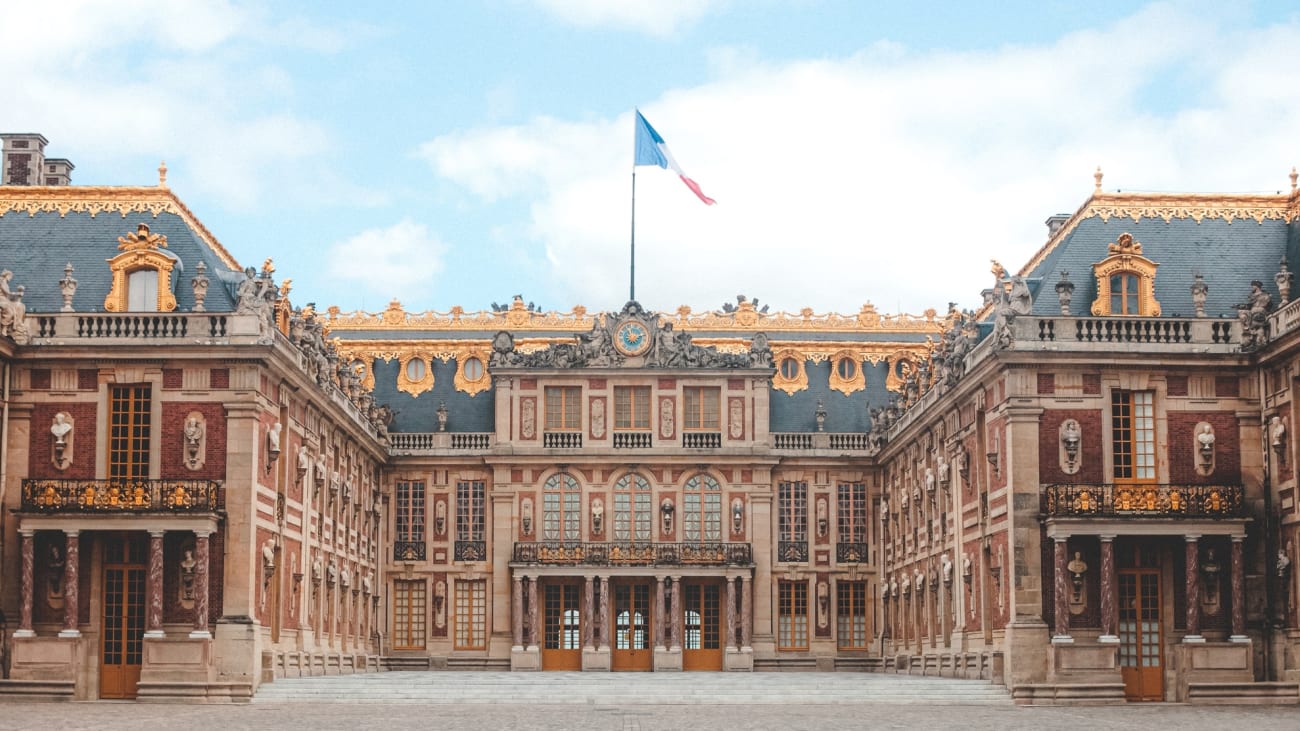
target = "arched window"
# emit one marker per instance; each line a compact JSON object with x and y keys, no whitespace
{"x":702,"y":509}
{"x":633,"y":514}
{"x":561,"y":509}
{"x":1125,"y":281}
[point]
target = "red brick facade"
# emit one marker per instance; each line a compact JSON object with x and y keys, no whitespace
{"x":1183,"y":456}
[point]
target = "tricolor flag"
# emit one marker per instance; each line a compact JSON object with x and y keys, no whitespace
{"x":651,"y":150}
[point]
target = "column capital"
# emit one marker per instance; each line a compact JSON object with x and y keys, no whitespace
{"x":1106,"y":537}
{"x":1238,"y":538}
{"x":27,"y":532}
{"x":1192,"y":537}
{"x":1061,"y":538}
{"x":203,"y":532}
{"x":72,"y":532}
{"x":156,"y":533}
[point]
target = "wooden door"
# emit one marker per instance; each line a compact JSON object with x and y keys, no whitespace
{"x":562,"y":625}
{"x":631,"y":609}
{"x":701,"y":627}
{"x":122,"y":646}
{"x":1140,"y":649}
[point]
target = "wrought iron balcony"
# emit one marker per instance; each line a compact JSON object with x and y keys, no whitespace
{"x":471,"y":550}
{"x":852,"y":552}
{"x":792,"y":551}
{"x":575,"y":553}
{"x":1143,"y":501}
{"x":123,"y":496}
{"x":408,"y":551}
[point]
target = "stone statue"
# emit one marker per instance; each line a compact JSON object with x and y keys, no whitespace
{"x":188,"y":564}
{"x":1199,"y":291}
{"x":441,"y":413}
{"x":193,"y":434}
{"x":439,"y":517}
{"x":1277,"y":432}
{"x":823,"y":517}
{"x":946,"y":564}
{"x":526,"y":516}
{"x":1253,"y":316}
{"x":13,"y":313}
{"x":61,"y":428}
{"x":666,"y":516}
{"x":1064,"y":291}
{"x":737,"y":515}
{"x":823,"y":604}
{"x":54,"y":571}
{"x":440,"y":604}
{"x":68,"y":288}
{"x":199,"y":285}
{"x":1205,"y":443}
{"x":597,"y":516}
{"x":929,"y":480}
{"x":1283,"y":280}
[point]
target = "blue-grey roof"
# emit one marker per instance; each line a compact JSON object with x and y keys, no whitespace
{"x":420,"y":414}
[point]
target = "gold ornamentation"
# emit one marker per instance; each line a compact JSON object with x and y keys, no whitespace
{"x":405,"y":383}
{"x":902,"y":364}
{"x":790,"y":376}
{"x":141,"y":251}
{"x":94,"y":200}
{"x":856,"y":381}
{"x":463,"y":381}
{"x":1126,"y":258}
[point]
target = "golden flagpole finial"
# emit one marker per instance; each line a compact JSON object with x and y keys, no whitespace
{"x":162,"y":174}
{"x":1097,"y":177}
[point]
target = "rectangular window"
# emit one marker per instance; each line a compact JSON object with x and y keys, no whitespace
{"x":129,"y":430}
{"x":410,"y":511}
{"x":851,"y":614}
{"x":470,"y":511}
{"x":1133,"y":436}
{"x":851,"y":513}
{"x":563,"y":408}
{"x":409,"y":602}
{"x":471,"y":615}
{"x":701,"y":411}
{"x":792,"y":615}
{"x":632,"y":407}
{"x":792,"y":517}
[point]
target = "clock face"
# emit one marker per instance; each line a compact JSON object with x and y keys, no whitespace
{"x":632,"y":338}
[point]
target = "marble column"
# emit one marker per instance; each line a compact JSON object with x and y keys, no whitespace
{"x":1061,"y":591}
{"x":746,"y":611}
{"x":534,"y":632}
{"x":154,"y":616}
{"x":661,"y":614}
{"x":1238,"y":592}
{"x":201,"y":565}
{"x":678,"y":630}
{"x":71,"y":573}
{"x":517,"y":612}
{"x":604,"y":613}
{"x":29,"y":569}
{"x":1193,"y":554}
{"x":731,"y":614}
{"x":1108,"y":614}
{"x":588,"y":613}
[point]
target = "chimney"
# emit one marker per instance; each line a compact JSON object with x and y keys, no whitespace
{"x":1054,"y":223}
{"x":58,"y":171}
{"x":24,"y":159}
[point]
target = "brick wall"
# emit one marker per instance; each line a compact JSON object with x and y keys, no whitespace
{"x":1091,"y":450}
{"x":172,"y":441}
{"x":40,"y":462}
{"x":1183,"y":455}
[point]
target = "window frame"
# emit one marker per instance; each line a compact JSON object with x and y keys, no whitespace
{"x":470,"y":596}
{"x":701,"y":408}
{"x":702,"y":510}
{"x":471,"y":510}
{"x":563,"y":408}
{"x":130,"y":430}
{"x":851,"y":630}
{"x":633,"y":509}
{"x":792,"y":616}
{"x":851,"y":520}
{"x":410,"y":510}
{"x":632,"y":408}
{"x":1133,"y":437}
{"x":561,"y":508}
{"x":410,"y":614}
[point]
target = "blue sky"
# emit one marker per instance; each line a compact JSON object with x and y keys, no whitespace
{"x":456,"y":153}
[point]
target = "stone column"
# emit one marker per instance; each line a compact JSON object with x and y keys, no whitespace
{"x":588,"y":612}
{"x":1193,"y":554}
{"x":1238,"y":592}
{"x":677,"y":617}
{"x":731,"y":614}
{"x":604,"y":613}
{"x":154,"y":617}
{"x":1061,"y":596}
{"x":71,"y":572}
{"x":746,"y":612}
{"x":533,"y":630}
{"x":661,"y":614}
{"x":201,"y":562}
{"x":1108,"y":615}
{"x":29,"y":568}
{"x":517,"y":612}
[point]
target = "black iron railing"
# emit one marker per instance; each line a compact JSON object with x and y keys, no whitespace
{"x":574,"y":553}
{"x":792,"y":551}
{"x":408,"y":551}
{"x":852,"y":552}
{"x":122,"y":496}
{"x":471,"y":550}
{"x":1144,"y":501}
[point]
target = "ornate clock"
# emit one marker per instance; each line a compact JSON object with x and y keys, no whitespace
{"x":632,"y":338}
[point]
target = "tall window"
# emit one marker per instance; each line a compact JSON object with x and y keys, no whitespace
{"x":409,"y":607}
{"x":851,"y":512}
{"x":563,"y":408}
{"x":701,"y":411}
{"x":632,"y":407}
{"x":702,"y":509}
{"x":561,"y":509}
{"x":129,"y":427}
{"x":410,"y":511}
{"x":470,"y":511}
{"x":1133,"y":433}
{"x":851,"y":614}
{"x":633,"y":515}
{"x":142,"y":291}
{"x":792,"y":615}
{"x":792,"y":504}
{"x":1124,"y":294}
{"x":471,"y":615}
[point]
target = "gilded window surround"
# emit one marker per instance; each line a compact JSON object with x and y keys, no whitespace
{"x":906,"y":361}
{"x":846,"y":386}
{"x":793,"y":384}
{"x":1126,"y":258}
{"x":404,"y":382}
{"x":141,"y":251}
{"x":463,"y":382}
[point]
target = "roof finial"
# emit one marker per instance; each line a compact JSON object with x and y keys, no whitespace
{"x":162,"y":174}
{"x":1097,"y":177}
{"x":1293,"y":178}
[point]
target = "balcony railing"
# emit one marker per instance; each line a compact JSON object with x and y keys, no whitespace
{"x":408,"y":551}
{"x":633,"y":440}
{"x":1127,"y":330}
{"x":574,"y":553}
{"x":162,"y":326}
{"x":702,"y":439}
{"x":852,"y":552}
{"x":838,"y":441}
{"x":803,"y":440}
{"x":792,"y":551}
{"x":471,"y":550}
{"x":1143,"y":501}
{"x":562,"y":439}
{"x":122,"y":496}
{"x":407,"y":442}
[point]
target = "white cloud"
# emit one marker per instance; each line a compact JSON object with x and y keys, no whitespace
{"x":399,"y":261}
{"x":890,"y":176}
{"x":652,"y":17}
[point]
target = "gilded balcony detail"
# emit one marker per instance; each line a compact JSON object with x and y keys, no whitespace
{"x":123,"y":496}
{"x":1143,"y":501}
{"x":573,"y":553}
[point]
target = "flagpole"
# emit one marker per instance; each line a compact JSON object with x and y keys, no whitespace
{"x":631,"y":289}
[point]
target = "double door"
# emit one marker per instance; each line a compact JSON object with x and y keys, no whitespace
{"x":1139,"y":634}
{"x":632,"y":642}
{"x":122,"y":646}
{"x":701,"y":626}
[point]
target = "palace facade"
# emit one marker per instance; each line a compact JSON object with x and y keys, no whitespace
{"x":1084,"y":489}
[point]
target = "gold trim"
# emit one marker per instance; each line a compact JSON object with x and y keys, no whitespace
{"x":463,"y":382}
{"x":1126,"y":258}
{"x":65,"y":199}
{"x":894,"y":381}
{"x":140,"y":252}
{"x":414,"y":387}
{"x":789,"y":385}
{"x":846,"y":386}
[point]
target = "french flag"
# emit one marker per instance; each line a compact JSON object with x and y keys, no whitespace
{"x":651,"y":150}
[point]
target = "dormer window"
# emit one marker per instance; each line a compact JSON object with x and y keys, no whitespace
{"x":1125,"y":281}
{"x":142,"y":274}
